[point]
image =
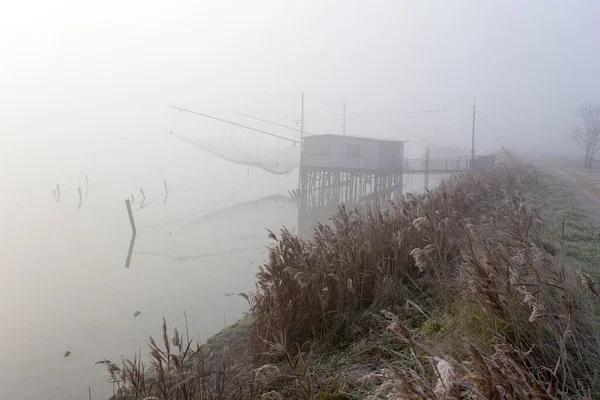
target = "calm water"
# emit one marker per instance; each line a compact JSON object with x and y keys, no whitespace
{"x":63,"y":284}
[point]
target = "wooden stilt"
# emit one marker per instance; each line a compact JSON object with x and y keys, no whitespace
{"x":133,"y":233}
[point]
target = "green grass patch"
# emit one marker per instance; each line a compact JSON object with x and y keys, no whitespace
{"x":557,"y":203}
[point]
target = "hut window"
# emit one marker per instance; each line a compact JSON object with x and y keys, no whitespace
{"x":353,"y":150}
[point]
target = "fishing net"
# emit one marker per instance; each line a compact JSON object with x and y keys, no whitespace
{"x":279,"y":160}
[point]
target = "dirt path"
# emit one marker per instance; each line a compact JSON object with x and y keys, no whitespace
{"x":584,"y":184}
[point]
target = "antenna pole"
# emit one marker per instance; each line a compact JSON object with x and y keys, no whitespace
{"x":344,"y":124}
{"x":426,"y":180}
{"x":302,"y":123}
{"x":473,"y":136}
{"x":300,"y":169}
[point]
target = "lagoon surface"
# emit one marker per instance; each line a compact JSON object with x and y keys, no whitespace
{"x":63,"y":281}
{"x":64,"y":285}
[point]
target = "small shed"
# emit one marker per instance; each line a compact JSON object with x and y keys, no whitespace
{"x":352,"y":153}
{"x":351,"y":170}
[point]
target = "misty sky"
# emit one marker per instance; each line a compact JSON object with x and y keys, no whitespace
{"x":88,"y":84}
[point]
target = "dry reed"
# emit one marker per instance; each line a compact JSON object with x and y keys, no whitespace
{"x":449,"y":294}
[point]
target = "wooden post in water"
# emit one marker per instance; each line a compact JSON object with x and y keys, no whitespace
{"x":87,"y":186}
{"x":143,"y":198}
{"x":133,"y":233}
{"x":131,"y":221}
{"x":167,"y":192}
{"x":130,"y":252}
{"x":80,"y":198}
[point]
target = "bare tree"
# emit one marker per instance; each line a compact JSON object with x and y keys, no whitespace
{"x":586,"y":132}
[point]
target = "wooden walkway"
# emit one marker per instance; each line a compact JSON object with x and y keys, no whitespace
{"x":436,"y":165}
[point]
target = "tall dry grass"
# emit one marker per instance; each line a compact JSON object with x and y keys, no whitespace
{"x":449,"y":294}
{"x":181,"y":369}
{"x":469,"y":256}
{"x":360,"y":257}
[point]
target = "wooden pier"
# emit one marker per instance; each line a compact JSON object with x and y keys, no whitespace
{"x":453,"y":165}
{"x":360,"y":173}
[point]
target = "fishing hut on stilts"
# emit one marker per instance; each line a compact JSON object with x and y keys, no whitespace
{"x":355,"y":171}
{"x":358,"y":172}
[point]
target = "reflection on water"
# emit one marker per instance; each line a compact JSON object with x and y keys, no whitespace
{"x":64,"y":288}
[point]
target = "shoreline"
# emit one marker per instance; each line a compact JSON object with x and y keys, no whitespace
{"x":380,"y":333}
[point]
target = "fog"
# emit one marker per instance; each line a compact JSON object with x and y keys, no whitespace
{"x":86,"y":89}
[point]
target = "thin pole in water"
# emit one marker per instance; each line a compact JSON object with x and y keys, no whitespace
{"x":133,"y":233}
{"x":130,"y":213}
{"x":166,"y":192}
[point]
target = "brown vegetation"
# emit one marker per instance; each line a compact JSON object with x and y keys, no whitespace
{"x":450,"y":294}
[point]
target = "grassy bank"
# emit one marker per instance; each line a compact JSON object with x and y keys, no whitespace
{"x":468,"y":291}
{"x":557,"y":203}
